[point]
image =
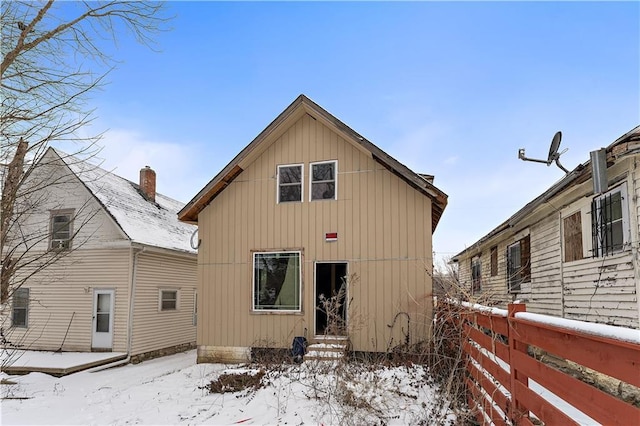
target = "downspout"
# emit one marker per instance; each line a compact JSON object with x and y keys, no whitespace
{"x":132,"y":297}
{"x":635,"y":226}
{"x":561,"y":227}
{"x":132,"y":292}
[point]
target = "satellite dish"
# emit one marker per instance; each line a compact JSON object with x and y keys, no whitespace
{"x":553,"y":153}
{"x":553,"y":149}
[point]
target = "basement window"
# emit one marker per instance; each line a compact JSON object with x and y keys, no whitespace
{"x":277,"y":281}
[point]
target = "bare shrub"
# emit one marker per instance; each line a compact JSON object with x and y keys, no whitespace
{"x":236,"y":382}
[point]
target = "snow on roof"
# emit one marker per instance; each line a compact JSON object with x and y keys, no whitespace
{"x":145,"y":222}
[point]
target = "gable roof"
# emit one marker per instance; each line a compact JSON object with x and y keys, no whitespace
{"x":144,"y":222}
{"x":628,"y":143}
{"x":303,"y":105}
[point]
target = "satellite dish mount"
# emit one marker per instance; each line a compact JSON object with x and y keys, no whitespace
{"x":553,"y":153}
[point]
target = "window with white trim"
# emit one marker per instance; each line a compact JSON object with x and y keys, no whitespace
{"x":323,"y":182}
{"x":20,"y":308}
{"x":290,"y":183}
{"x":610,"y":222}
{"x":61,"y":229}
{"x":277,"y":281}
{"x":168,"y":300}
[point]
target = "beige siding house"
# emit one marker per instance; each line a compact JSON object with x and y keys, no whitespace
{"x":573,"y":252}
{"x":311,"y":210}
{"x":127,"y":280}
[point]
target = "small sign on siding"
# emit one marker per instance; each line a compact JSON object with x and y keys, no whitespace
{"x":331,"y":236}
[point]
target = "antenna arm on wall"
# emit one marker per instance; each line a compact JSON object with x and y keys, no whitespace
{"x":524,"y":158}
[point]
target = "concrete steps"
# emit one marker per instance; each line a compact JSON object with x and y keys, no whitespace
{"x":327,"y":348}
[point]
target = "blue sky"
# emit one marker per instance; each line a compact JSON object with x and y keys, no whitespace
{"x":447,"y":88}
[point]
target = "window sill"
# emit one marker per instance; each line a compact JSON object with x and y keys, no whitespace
{"x":274,"y":312}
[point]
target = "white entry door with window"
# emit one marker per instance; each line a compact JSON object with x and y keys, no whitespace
{"x":102,"y":336}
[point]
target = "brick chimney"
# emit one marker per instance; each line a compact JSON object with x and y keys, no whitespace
{"x":148,"y":183}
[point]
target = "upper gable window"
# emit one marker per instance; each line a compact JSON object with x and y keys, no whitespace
{"x":323,"y":180}
{"x":61,"y":229}
{"x":610,"y":222}
{"x":290,"y":183}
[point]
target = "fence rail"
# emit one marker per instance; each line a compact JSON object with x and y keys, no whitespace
{"x":506,"y":380}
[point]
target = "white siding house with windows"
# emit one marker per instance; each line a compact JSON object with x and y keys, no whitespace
{"x":573,"y":251}
{"x":125,"y":275}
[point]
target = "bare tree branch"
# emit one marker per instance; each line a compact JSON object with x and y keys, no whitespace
{"x":54,"y":54}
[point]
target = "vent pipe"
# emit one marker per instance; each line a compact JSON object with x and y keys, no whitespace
{"x":599,"y":171}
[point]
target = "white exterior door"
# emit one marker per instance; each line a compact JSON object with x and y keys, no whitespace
{"x":102,"y":335}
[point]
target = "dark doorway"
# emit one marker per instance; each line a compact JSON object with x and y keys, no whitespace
{"x":331,"y":296}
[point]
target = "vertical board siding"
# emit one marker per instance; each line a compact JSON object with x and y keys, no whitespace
{"x":65,"y":290}
{"x":384,"y":233}
{"x":154,"y":329}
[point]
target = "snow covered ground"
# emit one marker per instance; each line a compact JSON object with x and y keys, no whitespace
{"x":171,"y":390}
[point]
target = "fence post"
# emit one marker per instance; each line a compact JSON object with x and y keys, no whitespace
{"x":517,"y":411}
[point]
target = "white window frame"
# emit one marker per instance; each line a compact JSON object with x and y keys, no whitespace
{"x":60,"y":243}
{"x":597,"y":249}
{"x":253,"y":282}
{"x":26,"y":307}
{"x":281,"y":166}
{"x":168,"y":290}
{"x":335,"y":180}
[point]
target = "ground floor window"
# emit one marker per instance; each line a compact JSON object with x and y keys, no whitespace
{"x":572,"y":234}
{"x":518,"y":264}
{"x":168,"y":300}
{"x":476,"y":275}
{"x":20,"y":313}
{"x":610,"y":222}
{"x":277,"y":281}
